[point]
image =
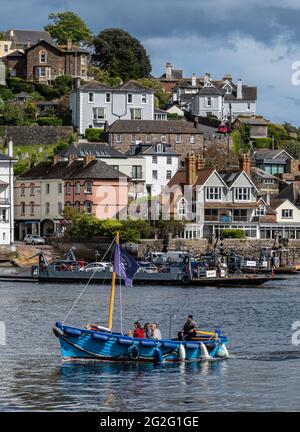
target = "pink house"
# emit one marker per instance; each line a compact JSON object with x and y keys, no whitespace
{"x":96,"y":188}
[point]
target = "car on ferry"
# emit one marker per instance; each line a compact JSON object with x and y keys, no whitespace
{"x":34,"y":239}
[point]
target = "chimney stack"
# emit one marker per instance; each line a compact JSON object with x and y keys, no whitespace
{"x":88,"y":159}
{"x":245,"y":163}
{"x":69,"y":44}
{"x":77,"y":83}
{"x":71,"y":159}
{"x":190,"y":164}
{"x":28,"y":43}
{"x":207,"y":77}
{"x":194,"y":80}
{"x":239,"y":90}
{"x":168,"y":70}
{"x":200,"y":162}
{"x":10,"y":147}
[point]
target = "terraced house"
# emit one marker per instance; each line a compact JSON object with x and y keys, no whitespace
{"x":88,"y":185}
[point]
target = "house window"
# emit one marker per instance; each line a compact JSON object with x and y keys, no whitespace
{"x":129,"y":98}
{"x":77,"y":206}
{"x":91,"y":97}
{"x":144,"y":98}
{"x":260,"y":211}
{"x":168,"y":175}
{"x":213,"y":193}
{"x":163,"y":139}
{"x":3,"y":215}
{"x":99,"y":114}
{"x":83,"y":60}
{"x":240,"y":215}
{"x":59,"y":188}
{"x":47,"y":188}
{"x":169,"y":160}
{"x":88,"y":187}
{"x":77,"y":188}
{"x":32,"y":189}
{"x":154,"y":175}
{"x":178,"y":139}
{"x":133,"y":138}
{"x":32,"y":208}
{"x":148,"y":139}
{"x":68,"y":204}
{"x":22,"y":209}
{"x":22,"y":189}
{"x":59,"y":208}
{"x":107,"y":97}
{"x":68,"y":188}
{"x":287,"y":213}
{"x":136,"y":114}
{"x":192,"y":139}
{"x":154,"y":159}
{"x":182,"y":208}
{"x":6,"y":48}
{"x":242,"y":194}
{"x":268,"y":181}
{"x":42,"y":57}
{"x":88,"y":207}
{"x":118,"y":138}
{"x":41,"y":72}
{"x":47,"y":208}
{"x":137,"y":171}
{"x":208,"y":101}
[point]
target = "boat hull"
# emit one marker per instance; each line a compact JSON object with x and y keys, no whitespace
{"x":89,"y":345}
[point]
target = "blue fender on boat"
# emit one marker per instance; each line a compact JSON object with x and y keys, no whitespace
{"x":72,"y":331}
{"x":170,"y":345}
{"x":158,"y":357}
{"x":191,"y":346}
{"x":125,"y":341}
{"x":100,"y":337}
{"x":148,"y":343}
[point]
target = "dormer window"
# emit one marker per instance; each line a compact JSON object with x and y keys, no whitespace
{"x":242,"y":194}
{"x":43,"y":57}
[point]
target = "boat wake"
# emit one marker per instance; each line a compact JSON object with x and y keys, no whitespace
{"x":268,"y":356}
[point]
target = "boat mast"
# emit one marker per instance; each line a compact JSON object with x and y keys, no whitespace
{"x":112,"y":291}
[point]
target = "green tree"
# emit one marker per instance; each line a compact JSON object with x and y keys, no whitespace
{"x":68,"y":25}
{"x":122,"y":55}
{"x":278,"y":132}
{"x":292,"y":147}
{"x":241,"y":139}
{"x":12,"y":114}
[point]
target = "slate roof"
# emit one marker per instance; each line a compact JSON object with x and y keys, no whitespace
{"x":255,"y":121}
{"x":16,"y":53}
{"x":23,"y":36}
{"x":149,"y":149}
{"x":271,"y":154}
{"x":176,"y":74}
{"x":4,"y":157}
{"x":211,"y":91}
{"x":99,"y":150}
{"x":96,"y":169}
{"x":153,"y":126}
{"x":230,"y":177}
{"x":275,"y":203}
{"x":291,"y":192}
{"x":131,"y":86}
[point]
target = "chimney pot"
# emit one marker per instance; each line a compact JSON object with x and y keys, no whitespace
{"x":168,"y":70}
{"x":194,"y":80}
{"x":239,"y":91}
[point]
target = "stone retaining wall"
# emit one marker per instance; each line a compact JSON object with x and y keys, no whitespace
{"x":45,"y":135}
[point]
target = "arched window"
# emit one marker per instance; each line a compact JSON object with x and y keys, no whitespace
{"x":43,"y":57}
{"x":68,"y":188}
{"x":22,"y":189}
{"x":22,"y":209}
{"x":88,"y":207}
{"x":77,"y":205}
{"x":88,"y":186}
{"x":32,"y":189}
{"x":68,"y":204}
{"x":77,"y":188}
{"x":31,"y":208}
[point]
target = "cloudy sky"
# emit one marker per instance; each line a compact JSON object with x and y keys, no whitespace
{"x":256,"y":40}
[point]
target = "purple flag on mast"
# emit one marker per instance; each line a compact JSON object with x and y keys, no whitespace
{"x":124,"y":265}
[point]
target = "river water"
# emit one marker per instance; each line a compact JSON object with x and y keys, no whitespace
{"x":263,"y":372}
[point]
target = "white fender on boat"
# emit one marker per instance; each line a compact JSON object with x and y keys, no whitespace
{"x":181,"y":352}
{"x":222,"y":351}
{"x":204,"y":352}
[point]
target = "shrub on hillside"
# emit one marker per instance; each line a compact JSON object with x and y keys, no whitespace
{"x":263,"y":142}
{"x":93,"y":135}
{"x":50,"y":121}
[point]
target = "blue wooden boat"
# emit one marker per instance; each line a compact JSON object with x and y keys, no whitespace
{"x":99,"y":343}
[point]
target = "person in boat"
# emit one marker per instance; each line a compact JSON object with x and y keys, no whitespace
{"x":189,"y":329}
{"x":138,"y":330}
{"x":156,"y":334}
{"x":147,"y":330}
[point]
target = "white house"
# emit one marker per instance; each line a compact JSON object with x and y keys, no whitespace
{"x":7,"y":197}
{"x":95,"y":105}
{"x":161,"y":163}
